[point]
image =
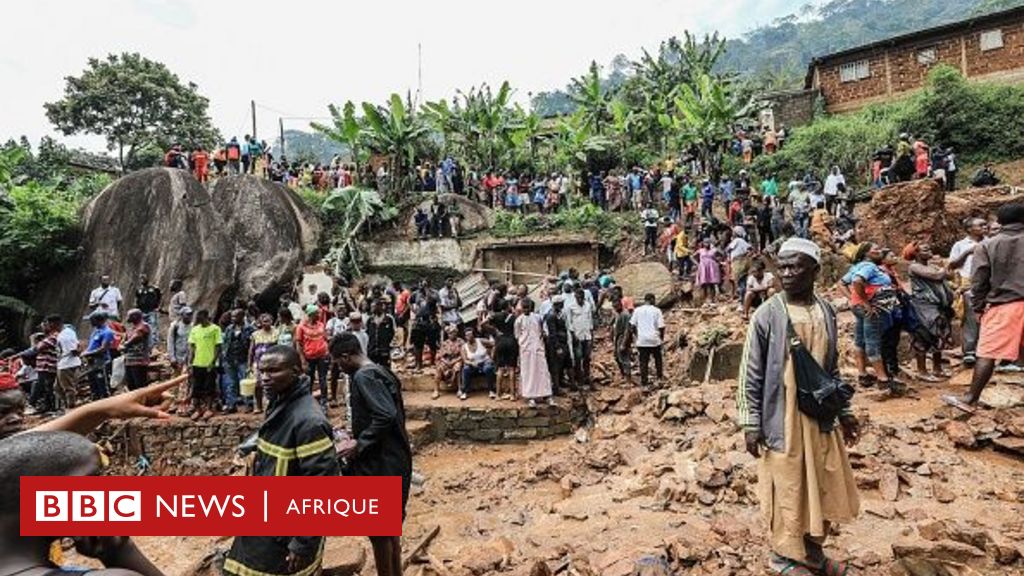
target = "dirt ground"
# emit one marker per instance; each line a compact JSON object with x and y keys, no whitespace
{"x":663,"y":477}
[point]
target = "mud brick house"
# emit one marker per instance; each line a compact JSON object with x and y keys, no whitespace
{"x":985,"y":48}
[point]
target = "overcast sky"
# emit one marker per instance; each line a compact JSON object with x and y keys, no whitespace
{"x":294,"y":57}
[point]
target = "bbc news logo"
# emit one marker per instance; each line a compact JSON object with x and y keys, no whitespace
{"x":210,"y":506}
{"x":88,"y":506}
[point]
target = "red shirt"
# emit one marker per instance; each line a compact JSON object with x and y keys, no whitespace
{"x":312,"y":339}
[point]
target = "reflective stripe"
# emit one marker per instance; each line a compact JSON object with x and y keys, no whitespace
{"x":274,"y":450}
{"x":316,"y":447}
{"x":232,"y":566}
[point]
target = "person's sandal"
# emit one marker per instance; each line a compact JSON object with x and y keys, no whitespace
{"x":435,"y":395}
{"x":867,"y":380}
{"x":831,"y":567}
{"x":896,"y":388}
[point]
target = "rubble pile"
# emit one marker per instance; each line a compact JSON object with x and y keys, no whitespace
{"x":661,"y":483}
{"x":921,"y":210}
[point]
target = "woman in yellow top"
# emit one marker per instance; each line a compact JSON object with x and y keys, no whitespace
{"x":682,"y":254}
{"x":260,"y":342}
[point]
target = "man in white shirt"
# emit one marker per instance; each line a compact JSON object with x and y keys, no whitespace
{"x":649,"y":218}
{"x":579,"y":319}
{"x":961,"y":259}
{"x":738,"y":251}
{"x":832,"y":184}
{"x":649,"y":329}
{"x":106,"y":298}
{"x":450,"y":303}
{"x":68,"y":365}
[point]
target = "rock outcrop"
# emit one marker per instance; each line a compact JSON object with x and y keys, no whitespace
{"x":245,"y":236}
{"x":273,"y":231}
{"x":475,"y":216}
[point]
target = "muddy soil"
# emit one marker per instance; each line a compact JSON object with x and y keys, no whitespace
{"x":664,"y":475}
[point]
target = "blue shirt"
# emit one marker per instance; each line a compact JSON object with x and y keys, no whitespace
{"x":708,"y":192}
{"x":634,"y":181}
{"x":100,"y":336}
{"x":870,"y":272}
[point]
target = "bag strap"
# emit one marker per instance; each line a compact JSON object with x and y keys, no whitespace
{"x":794,"y":341}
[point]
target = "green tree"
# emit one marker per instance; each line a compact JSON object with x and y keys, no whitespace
{"x":592,"y":98}
{"x":345,"y":129}
{"x":706,"y":118}
{"x":134,"y":103}
{"x":395,"y":130}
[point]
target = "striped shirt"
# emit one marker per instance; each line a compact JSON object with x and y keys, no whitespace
{"x":46,"y":354}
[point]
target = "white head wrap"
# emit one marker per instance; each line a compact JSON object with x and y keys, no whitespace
{"x":801,"y":246}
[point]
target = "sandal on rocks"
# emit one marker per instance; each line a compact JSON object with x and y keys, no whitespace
{"x":867,"y":380}
{"x":832,"y":568}
{"x":787,"y":567}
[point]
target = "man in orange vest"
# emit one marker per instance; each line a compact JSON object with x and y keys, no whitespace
{"x":200,"y":163}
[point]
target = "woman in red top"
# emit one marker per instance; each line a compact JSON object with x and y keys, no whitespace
{"x":311,"y":342}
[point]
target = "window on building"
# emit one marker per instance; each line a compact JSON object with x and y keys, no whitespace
{"x":853,"y":71}
{"x":991,"y":39}
{"x":926,"y":56}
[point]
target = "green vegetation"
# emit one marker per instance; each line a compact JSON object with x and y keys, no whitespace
{"x":980,"y":121}
{"x":775,"y":56}
{"x":137,"y":104}
{"x":39,"y":203}
{"x":669,"y":102}
{"x":584,"y":218}
{"x":346,"y":213}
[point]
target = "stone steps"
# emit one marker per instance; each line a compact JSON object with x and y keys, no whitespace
{"x":421,"y":433}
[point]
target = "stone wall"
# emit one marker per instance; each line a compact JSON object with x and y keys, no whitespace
{"x":179,"y":446}
{"x":792,"y":109}
{"x":501,"y":424}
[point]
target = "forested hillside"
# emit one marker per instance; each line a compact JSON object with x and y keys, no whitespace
{"x":775,"y":56}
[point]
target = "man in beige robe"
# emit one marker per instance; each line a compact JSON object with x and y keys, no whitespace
{"x":805,"y":481}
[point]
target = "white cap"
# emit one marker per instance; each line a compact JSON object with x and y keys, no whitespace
{"x":801,"y":246}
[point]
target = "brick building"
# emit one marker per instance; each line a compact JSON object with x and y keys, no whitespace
{"x":988,"y":48}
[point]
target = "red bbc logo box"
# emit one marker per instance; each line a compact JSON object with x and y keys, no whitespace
{"x":211,"y":506}
{"x":88,"y":506}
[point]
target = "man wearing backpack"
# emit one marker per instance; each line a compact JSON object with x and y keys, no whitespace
{"x":806,"y":483}
{"x":234,"y":155}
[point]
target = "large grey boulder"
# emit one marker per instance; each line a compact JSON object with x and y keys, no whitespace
{"x":245,"y":236}
{"x":159,"y":221}
{"x":273,"y":231}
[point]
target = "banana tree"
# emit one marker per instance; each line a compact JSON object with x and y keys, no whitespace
{"x":706,"y":116}
{"x":344,"y":129}
{"x":395,"y":130}
{"x":347,"y":212}
{"x":529,"y":133}
{"x":591,"y":98}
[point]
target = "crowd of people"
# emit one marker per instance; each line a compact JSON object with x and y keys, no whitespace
{"x":755,"y":246}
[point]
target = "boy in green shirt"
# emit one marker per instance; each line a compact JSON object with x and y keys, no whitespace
{"x":204,"y":342}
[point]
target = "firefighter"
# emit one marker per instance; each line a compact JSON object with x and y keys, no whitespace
{"x":295,"y":440}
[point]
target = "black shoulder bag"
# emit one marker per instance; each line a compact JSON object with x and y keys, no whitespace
{"x":819,"y":395}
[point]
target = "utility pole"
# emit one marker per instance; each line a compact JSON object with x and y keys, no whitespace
{"x":280,"y":125}
{"x":253,"y":102}
{"x":419,"y":74}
